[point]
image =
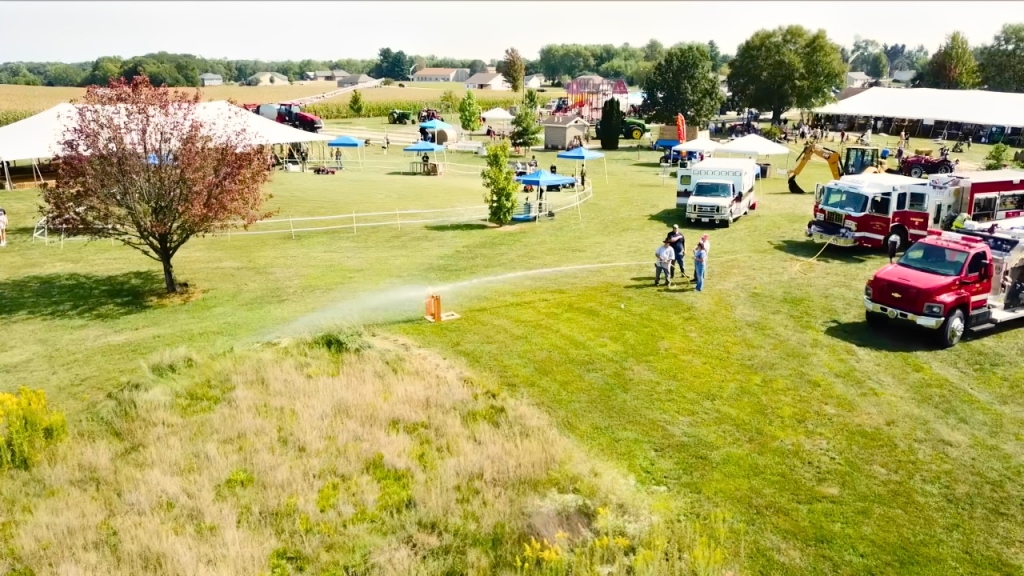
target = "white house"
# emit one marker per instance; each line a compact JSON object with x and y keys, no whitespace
{"x":210,"y":79}
{"x":533,"y":80}
{"x":903,"y":76}
{"x":435,"y":75}
{"x":857,"y":79}
{"x":487,"y":81}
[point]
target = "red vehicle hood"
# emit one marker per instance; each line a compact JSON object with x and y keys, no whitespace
{"x":903,"y":276}
{"x":308,"y":117}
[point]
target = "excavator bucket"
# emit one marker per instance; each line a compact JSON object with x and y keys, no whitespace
{"x":795,"y":188}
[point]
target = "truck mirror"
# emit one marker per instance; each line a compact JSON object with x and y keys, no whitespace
{"x":984,"y":272}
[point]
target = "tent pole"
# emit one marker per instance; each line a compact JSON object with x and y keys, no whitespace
{"x":7,"y":176}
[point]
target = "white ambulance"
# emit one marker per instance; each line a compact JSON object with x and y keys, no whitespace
{"x":717,"y":190}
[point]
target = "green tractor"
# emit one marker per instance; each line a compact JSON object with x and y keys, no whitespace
{"x":632,"y":129}
{"x":400,"y":117}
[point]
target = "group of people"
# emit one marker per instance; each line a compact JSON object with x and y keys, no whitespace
{"x":670,"y":254}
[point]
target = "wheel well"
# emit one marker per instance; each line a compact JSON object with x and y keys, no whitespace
{"x":898,"y":229}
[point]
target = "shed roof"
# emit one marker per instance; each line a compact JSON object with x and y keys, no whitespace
{"x":482,"y":78}
{"x":209,"y":75}
{"x":435,"y":72}
{"x":565,"y":121}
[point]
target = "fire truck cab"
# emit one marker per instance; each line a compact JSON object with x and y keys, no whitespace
{"x":952,"y":282}
{"x":873,"y":209}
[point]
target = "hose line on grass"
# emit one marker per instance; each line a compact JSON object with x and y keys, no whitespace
{"x":812,"y":259}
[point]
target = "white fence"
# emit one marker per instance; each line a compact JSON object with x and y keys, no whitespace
{"x":365,"y":220}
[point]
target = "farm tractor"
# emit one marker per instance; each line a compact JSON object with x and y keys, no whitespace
{"x":858,"y":160}
{"x":400,"y":117}
{"x":288,"y":113}
{"x":428,"y":114}
{"x":632,"y":129}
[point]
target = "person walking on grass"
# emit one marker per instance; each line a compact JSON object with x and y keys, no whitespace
{"x":3,"y":228}
{"x":663,"y":265}
{"x":699,"y":259}
{"x":678,"y":242}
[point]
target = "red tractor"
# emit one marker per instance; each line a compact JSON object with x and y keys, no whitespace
{"x":288,"y":113}
{"x":918,"y":166}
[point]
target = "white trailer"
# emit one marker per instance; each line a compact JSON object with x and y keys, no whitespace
{"x":717,"y":190}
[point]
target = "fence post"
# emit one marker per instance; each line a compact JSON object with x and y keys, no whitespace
{"x":62,"y":238}
{"x":291,"y":227}
{"x":229,"y":234}
{"x":398,"y":215}
{"x":353,"y":221}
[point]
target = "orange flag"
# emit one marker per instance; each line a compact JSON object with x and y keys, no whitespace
{"x":681,"y":128}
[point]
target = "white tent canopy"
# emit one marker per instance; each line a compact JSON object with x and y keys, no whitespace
{"x":969,"y":106}
{"x":40,"y":136}
{"x":755,"y":145}
{"x":698,"y":145}
{"x":497,"y":114}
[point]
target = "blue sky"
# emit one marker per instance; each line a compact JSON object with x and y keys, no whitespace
{"x":81,"y":31}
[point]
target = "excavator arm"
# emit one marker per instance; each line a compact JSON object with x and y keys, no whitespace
{"x":812,"y":149}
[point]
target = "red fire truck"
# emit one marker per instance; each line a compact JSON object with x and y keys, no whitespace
{"x":873,"y":209}
{"x":984,"y":195}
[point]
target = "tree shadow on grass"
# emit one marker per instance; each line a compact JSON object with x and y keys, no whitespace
{"x":648,"y":164}
{"x":808,"y":249}
{"x":458,"y":227}
{"x":893,"y":337}
{"x":670,"y":216}
{"x":79,"y":296}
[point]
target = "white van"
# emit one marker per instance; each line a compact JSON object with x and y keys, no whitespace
{"x":718,"y":190}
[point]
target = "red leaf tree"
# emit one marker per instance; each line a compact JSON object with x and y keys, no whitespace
{"x":138,"y":164}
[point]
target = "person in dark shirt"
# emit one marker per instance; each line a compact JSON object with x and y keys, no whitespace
{"x":678,"y":243}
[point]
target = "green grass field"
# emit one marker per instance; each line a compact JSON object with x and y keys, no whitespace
{"x":766,"y":398}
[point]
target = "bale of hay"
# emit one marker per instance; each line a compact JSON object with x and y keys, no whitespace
{"x":923,"y":151}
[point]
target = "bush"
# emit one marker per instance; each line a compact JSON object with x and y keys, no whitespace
{"x":772,"y":132}
{"x":27,"y":426}
{"x":997,"y":157}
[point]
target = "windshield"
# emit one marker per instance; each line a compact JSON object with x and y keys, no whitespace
{"x":847,"y":200}
{"x":934,"y":259}
{"x":713,"y":189}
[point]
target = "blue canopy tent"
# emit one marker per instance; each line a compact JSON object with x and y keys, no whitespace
{"x":424,"y":146}
{"x":583,"y":154}
{"x":154,"y":159}
{"x":349,"y":142}
{"x":540,"y":179}
{"x":436,"y":126}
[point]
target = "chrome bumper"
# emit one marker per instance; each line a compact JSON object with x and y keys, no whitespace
{"x":844,"y":241}
{"x":929,"y":322}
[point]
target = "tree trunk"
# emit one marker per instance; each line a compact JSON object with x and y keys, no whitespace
{"x":776,"y":116}
{"x":169,"y":282}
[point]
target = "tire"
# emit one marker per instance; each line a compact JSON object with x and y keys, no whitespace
{"x":945,"y":169}
{"x":875,"y":320}
{"x":636,"y":134}
{"x":899,"y":233}
{"x":916,"y":171}
{"x":952,"y":330}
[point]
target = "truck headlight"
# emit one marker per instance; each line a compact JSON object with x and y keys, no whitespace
{"x":933,"y":309}
{"x":867,"y":291}
{"x":851,"y":225}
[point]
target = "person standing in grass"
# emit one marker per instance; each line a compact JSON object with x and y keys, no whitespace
{"x":678,"y":242}
{"x":3,"y":227}
{"x":699,"y":259}
{"x":663,"y":265}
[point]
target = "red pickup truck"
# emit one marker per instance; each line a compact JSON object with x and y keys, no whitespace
{"x":950,"y":283}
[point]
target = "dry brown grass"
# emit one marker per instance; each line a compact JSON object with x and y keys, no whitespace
{"x":36,"y":98}
{"x":384,"y":461}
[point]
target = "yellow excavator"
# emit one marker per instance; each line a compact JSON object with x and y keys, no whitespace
{"x":858,"y":160}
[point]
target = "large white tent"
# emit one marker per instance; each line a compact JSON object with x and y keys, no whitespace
{"x":39,"y":136}
{"x":969,"y":106}
{"x":497,"y":114}
{"x":754,"y":145}
{"x":698,"y":145}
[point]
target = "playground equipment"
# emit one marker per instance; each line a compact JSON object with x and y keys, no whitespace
{"x":434,"y":313}
{"x":588,"y":95}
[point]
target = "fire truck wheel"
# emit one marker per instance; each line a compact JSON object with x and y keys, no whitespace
{"x":952,"y":329}
{"x":901,"y":238}
{"x":874,"y":319}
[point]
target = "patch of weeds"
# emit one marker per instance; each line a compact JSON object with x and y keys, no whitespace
{"x":287,"y":561}
{"x":20,"y":570}
{"x":239,"y":479}
{"x":491,"y":413}
{"x":202,"y":397}
{"x":172,"y":362}
{"x":341,"y":343}
{"x":27,"y":426}
{"x":327,"y":496}
{"x":118,"y":411}
{"x":395,"y":486}
{"x":110,"y":537}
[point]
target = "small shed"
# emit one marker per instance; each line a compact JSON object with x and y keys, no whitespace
{"x":560,"y":130}
{"x":353,"y":80}
{"x":210,"y":79}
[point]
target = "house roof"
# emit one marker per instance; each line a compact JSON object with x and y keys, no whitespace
{"x":339,"y":73}
{"x":858,"y":76}
{"x":565,"y":121}
{"x":259,"y":75}
{"x":209,"y":75}
{"x":593,"y":77}
{"x":532,"y":76}
{"x":356,"y":79}
{"x":482,"y":78}
{"x":435,"y":72}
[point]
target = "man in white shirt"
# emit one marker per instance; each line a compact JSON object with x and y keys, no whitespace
{"x":663,"y":265}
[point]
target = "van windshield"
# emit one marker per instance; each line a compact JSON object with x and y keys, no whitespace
{"x":713,"y":189}
{"x":846,"y":200}
{"x":934,"y":259}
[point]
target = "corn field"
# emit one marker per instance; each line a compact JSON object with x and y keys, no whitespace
{"x":12,"y":116}
{"x":340,"y":110}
